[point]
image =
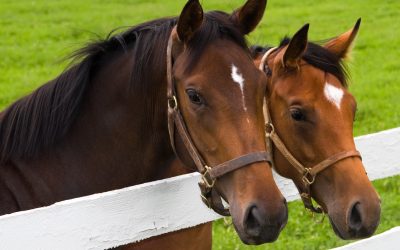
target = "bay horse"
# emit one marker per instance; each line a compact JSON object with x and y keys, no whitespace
{"x":310,"y":113}
{"x":308,"y":128}
{"x":135,"y":102}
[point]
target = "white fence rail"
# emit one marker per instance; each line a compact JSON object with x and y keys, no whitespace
{"x":131,"y":214}
{"x":389,"y":240}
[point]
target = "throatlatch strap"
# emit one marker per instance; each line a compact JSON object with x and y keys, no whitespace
{"x":183,"y":133}
{"x":285,"y":152}
{"x":175,"y":118}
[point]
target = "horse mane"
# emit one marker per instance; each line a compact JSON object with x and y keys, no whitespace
{"x":40,"y":120}
{"x":315,"y":55}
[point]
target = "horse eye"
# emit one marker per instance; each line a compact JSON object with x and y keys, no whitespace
{"x":297,"y":115}
{"x":194,"y":97}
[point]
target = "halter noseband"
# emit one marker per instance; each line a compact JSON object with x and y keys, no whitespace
{"x":208,"y":174}
{"x":308,"y":173}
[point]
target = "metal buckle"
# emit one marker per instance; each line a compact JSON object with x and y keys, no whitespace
{"x":206,"y":178}
{"x":308,"y":178}
{"x":269,"y":126}
{"x":305,"y":195}
{"x":172,"y":102}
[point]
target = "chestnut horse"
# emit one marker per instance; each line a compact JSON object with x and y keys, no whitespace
{"x":301,"y":98}
{"x":310,"y":115}
{"x":115,"y":118}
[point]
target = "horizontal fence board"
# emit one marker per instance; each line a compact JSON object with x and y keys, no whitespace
{"x":389,"y":240}
{"x":108,"y":219}
{"x":131,"y":214}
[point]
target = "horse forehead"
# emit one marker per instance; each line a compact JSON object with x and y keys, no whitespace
{"x":217,"y":64}
{"x":229,"y":70}
{"x":333,"y":91}
{"x":333,"y":94}
{"x":226,"y":56}
{"x":306,"y":86}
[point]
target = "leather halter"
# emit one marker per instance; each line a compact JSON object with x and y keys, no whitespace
{"x":208,"y":174}
{"x":308,"y":173}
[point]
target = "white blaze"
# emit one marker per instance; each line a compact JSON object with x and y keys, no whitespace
{"x":238,"y":78}
{"x":333,"y":94}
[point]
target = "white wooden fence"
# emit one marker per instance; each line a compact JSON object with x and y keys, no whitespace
{"x":131,"y":214}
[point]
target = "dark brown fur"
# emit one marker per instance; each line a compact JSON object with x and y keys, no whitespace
{"x":102,"y":124}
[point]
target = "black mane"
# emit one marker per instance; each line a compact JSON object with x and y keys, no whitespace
{"x":317,"y":56}
{"x":40,"y":120}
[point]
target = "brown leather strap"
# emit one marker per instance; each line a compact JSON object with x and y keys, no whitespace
{"x":265,"y":58}
{"x":285,"y":152}
{"x":187,"y":140}
{"x":170,"y":83}
{"x":308,"y":174}
{"x":172,"y":101}
{"x":175,"y":121}
{"x":212,"y":199}
{"x":238,"y":162}
{"x":332,"y":160}
{"x":307,"y":201}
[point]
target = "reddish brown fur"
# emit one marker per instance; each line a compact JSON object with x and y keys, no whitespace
{"x":343,"y":189}
{"x":335,"y":177}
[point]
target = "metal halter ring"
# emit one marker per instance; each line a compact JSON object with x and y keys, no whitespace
{"x":172,"y":102}
{"x":206,"y":178}
{"x":308,"y":178}
{"x":271,"y":126}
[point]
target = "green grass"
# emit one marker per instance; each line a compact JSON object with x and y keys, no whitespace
{"x":35,"y":35}
{"x":305,"y":232}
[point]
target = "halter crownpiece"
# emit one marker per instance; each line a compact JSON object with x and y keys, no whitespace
{"x":265,"y":57}
{"x":308,"y":173}
{"x":209,"y":175}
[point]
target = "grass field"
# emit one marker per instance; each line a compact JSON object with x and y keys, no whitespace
{"x":36,"y":35}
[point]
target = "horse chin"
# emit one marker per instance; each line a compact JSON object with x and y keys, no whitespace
{"x":266,"y":234}
{"x":348,"y":234}
{"x":338,"y":232}
{"x":270,"y":234}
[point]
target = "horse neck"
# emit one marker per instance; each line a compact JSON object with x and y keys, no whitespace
{"x":123,"y":124}
{"x":120,"y":138}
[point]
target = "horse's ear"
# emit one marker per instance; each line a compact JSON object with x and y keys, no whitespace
{"x":341,"y":45}
{"x":249,"y":15}
{"x":190,"y":20}
{"x":296,"y":47}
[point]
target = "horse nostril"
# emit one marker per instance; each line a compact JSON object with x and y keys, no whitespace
{"x":355,"y":217}
{"x":253,"y":222}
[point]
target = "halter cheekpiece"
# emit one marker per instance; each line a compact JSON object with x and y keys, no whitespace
{"x":209,"y":175}
{"x":308,"y":173}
